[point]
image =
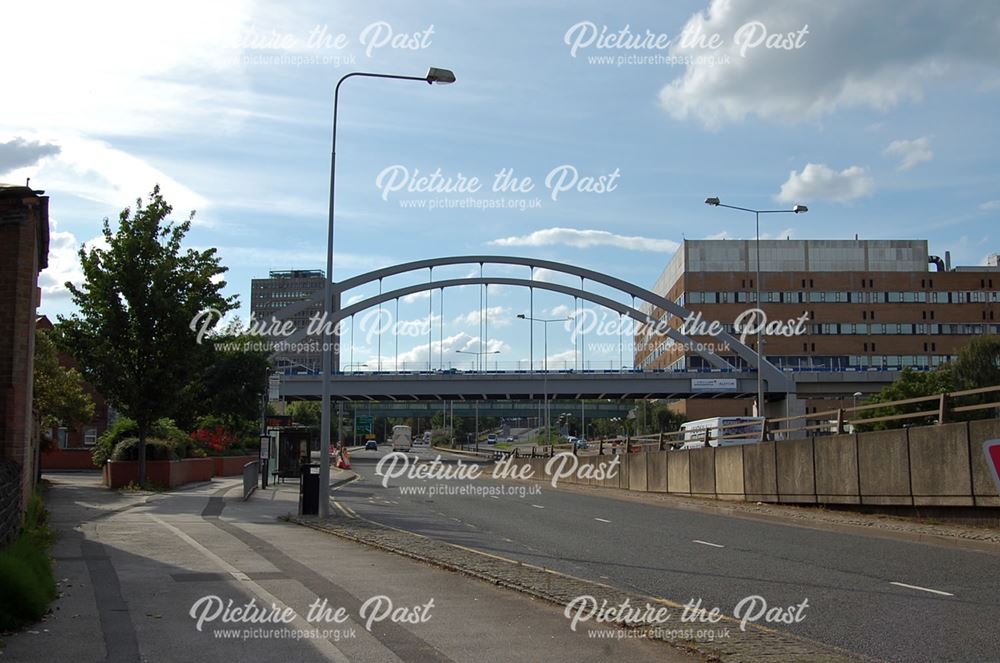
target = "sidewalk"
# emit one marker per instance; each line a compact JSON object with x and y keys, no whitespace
{"x":132,"y":567}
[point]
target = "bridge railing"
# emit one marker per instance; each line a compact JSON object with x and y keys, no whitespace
{"x":937,"y":409}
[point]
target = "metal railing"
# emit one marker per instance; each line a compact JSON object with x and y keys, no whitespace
{"x":251,"y":473}
{"x":834,"y":421}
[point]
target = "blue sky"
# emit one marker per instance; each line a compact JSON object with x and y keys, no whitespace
{"x":878,"y":117}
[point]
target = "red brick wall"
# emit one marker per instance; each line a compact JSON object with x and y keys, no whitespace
{"x":23,"y":252}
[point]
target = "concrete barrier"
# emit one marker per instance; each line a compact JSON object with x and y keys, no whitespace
{"x":702,"y":471}
{"x":795,"y":471}
{"x":637,"y":472}
{"x":884,"y":467}
{"x":760,"y":472}
{"x":729,"y":484}
{"x":926,"y":466}
{"x":656,"y":472}
{"x":940,"y":472}
{"x":679,"y":472}
{"x":835,"y":458}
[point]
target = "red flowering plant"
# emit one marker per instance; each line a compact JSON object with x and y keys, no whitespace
{"x":216,"y":440}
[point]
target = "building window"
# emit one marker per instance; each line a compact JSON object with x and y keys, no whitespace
{"x":63,"y":435}
{"x":90,"y":437}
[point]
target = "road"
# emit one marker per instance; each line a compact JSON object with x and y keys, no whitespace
{"x":886,"y":598}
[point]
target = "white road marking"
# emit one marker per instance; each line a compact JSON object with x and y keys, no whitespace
{"x":922,"y":589}
{"x":538,"y":506}
{"x":602,"y":520}
{"x":706,"y":543}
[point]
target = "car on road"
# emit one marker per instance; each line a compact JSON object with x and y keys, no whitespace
{"x":491,"y":439}
{"x":510,"y":438}
{"x":581,"y":444}
{"x":371,"y":445}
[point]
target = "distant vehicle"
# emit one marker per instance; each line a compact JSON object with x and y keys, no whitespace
{"x":402,"y":439}
{"x":491,"y":439}
{"x":510,"y":438}
{"x":721,"y":431}
{"x":425,"y":439}
{"x":371,"y":445}
{"x":581,"y":444}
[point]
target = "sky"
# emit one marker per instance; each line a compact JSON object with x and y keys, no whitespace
{"x":587,"y":133}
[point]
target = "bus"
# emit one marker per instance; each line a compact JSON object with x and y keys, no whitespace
{"x":402,"y":438}
{"x":735,"y":430}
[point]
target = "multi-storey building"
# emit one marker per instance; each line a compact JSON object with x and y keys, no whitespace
{"x":867,"y":305}
{"x":267,"y":299}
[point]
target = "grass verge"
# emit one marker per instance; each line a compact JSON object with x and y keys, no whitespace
{"x":27,"y":585}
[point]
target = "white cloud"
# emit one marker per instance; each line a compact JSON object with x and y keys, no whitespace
{"x":121,"y":73}
{"x":990,"y":205}
{"x":855,"y":54}
{"x":497,"y":316}
{"x":64,"y":262}
{"x":720,"y":235}
{"x":910,"y":152}
{"x":820,"y":182}
{"x":417,"y":356}
{"x":415,"y":296}
{"x":585,"y":239}
{"x":562,"y":311}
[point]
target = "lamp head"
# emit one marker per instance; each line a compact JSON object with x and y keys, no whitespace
{"x":712,"y":201}
{"x":440,"y":76}
{"x":521,"y":315}
{"x":800,"y":209}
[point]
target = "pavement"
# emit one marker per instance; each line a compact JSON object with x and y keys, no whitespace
{"x":878,"y":594}
{"x":137,"y":573}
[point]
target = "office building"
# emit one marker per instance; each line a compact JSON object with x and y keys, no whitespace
{"x":867,"y":305}
{"x":282,"y":288}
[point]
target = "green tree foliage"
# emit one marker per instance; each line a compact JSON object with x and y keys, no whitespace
{"x":132,"y":334}
{"x":231,"y":384}
{"x":910,"y":384}
{"x":59,"y":394}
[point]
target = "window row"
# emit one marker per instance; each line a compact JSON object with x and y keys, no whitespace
{"x":842,"y":297}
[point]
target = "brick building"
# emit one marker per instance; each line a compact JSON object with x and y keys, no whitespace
{"x":868,"y":305}
{"x":24,"y":248}
{"x":71,"y":448}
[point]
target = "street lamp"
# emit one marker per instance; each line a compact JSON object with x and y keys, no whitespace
{"x":545,"y":363}
{"x":797,"y":209}
{"x":857,"y":395}
{"x":479,"y":356}
{"x":434,"y":75}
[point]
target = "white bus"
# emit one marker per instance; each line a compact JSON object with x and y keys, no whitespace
{"x":735,"y":430}
{"x":402,"y":438}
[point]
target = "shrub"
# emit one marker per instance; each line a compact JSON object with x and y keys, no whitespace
{"x":217,"y":441}
{"x":162,"y":429}
{"x":156,"y":449}
{"x":26,"y":581}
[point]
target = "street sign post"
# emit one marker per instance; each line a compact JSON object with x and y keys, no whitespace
{"x":992,"y":450}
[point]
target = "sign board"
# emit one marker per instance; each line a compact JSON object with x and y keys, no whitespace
{"x":713,"y":384}
{"x":274,"y":387}
{"x":265,"y":447}
{"x":364,"y":424}
{"x":992,"y":450}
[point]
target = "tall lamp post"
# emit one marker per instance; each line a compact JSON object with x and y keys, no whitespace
{"x":797,"y":209}
{"x":434,"y":75}
{"x":479,"y":356}
{"x":545,"y":362}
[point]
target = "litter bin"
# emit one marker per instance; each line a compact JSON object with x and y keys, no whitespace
{"x":309,"y":489}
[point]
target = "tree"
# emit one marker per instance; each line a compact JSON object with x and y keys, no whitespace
{"x":978,"y":363}
{"x":132,"y":335}
{"x":909,"y":384}
{"x":667,"y":421}
{"x":59,"y":394}
{"x":232,"y":383}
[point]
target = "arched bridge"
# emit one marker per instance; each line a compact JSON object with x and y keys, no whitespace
{"x":724,"y":380}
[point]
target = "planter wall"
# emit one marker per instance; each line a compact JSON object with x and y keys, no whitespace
{"x":168,"y":473}
{"x":231,"y":466}
{"x":68,"y":459}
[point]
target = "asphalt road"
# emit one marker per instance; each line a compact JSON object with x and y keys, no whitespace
{"x":891,"y":599}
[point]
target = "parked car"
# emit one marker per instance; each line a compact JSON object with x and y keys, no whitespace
{"x":371,"y":445}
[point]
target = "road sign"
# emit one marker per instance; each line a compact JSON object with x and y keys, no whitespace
{"x":365,"y":424}
{"x":713,"y":384}
{"x":274,"y":387}
{"x":992,"y":450}
{"x":265,"y":446}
